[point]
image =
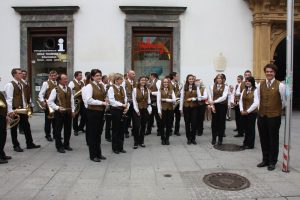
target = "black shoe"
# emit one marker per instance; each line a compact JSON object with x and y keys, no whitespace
{"x":33,"y":146}
{"x":122,"y":151}
{"x":142,"y":145}
{"x":102,"y":157}
{"x":68,"y":148}
{"x":163,"y":142}
{"x":61,"y":150}
{"x":167,"y":142}
{"x":5,"y":157}
{"x":49,"y":138}
{"x":189,"y":142}
{"x":219,"y":143}
{"x":242,"y":147}
{"x":148,"y":133}
{"x":18,"y":149}
{"x":271,"y":167}
{"x":200,"y":133}
{"x":76,"y":133}
{"x":158,"y":134}
{"x":2,"y":161}
{"x":224,"y":135}
{"x":116,"y":152}
{"x":82,"y":130}
{"x":135,"y":146}
{"x":96,"y":159}
{"x":213,"y":142}
{"x":22,"y":133}
{"x":239,"y":135}
{"x":235,"y":130}
{"x":194,"y":142}
{"x":108,"y":140}
{"x":177,"y":133}
{"x":126,"y":135}
{"x":263,"y":164}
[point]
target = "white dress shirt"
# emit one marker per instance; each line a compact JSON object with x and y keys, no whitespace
{"x":255,"y":103}
{"x":89,"y":94}
{"x":72,"y":85}
{"x":52,"y":97}
{"x":111,"y":97}
{"x":83,"y":94}
{"x":9,"y":91}
{"x":158,"y":99}
{"x":44,"y":89}
{"x":220,"y":99}
{"x":202,"y":97}
{"x":193,"y":98}
{"x":135,"y":103}
{"x":281,"y":91}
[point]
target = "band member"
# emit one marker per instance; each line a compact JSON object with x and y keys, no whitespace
{"x":87,"y":78}
{"x":154,"y":87}
{"x":142,"y":109}
{"x":272,"y":101}
{"x":174,"y":77}
{"x":235,"y":102}
{"x":201,"y":107}
{"x":248,"y":106}
{"x":62,"y":101}
{"x":76,"y":85}
{"x":16,"y":99}
{"x":218,"y":101}
{"x":3,"y":133}
{"x":119,"y":107}
{"x":107,"y":110}
{"x":44,"y":94}
{"x":188,"y":104}
{"x":165,"y":101}
{"x":129,"y":84}
{"x":95,"y":94}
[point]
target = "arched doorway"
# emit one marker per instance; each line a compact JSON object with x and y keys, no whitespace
{"x":280,"y":61}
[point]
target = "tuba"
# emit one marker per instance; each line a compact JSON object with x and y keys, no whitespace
{"x":77,"y":101}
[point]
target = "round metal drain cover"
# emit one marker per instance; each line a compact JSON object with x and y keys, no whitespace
{"x":226,"y":181}
{"x":228,"y":147}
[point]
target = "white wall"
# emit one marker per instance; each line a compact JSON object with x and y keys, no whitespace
{"x":208,"y":27}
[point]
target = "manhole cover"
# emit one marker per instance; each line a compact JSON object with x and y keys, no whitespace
{"x":167,"y":175}
{"x":226,"y":181}
{"x":228,"y":147}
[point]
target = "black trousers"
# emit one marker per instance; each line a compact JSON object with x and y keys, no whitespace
{"x":129,"y":117}
{"x":190,"y":120}
{"x":218,"y":121}
{"x":177,"y":119}
{"x":27,"y":132}
{"x":248,"y":122}
{"x":200,"y":117}
{"x":48,"y":123}
{"x":94,"y":127}
{"x":3,"y":135}
{"x":153,"y":115}
{"x":107,"y":124}
{"x":268,"y":128}
{"x":82,"y":114}
{"x":166,"y":124}
{"x":62,"y":120}
{"x":118,"y":125}
{"x":238,"y":120}
{"x":139,"y":125}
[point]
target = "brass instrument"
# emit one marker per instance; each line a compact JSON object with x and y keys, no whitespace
{"x":13,"y":122}
{"x":77,"y":101}
{"x":51,"y":111}
{"x":176,"y":103}
{"x":39,"y":103}
{"x":2,"y":104}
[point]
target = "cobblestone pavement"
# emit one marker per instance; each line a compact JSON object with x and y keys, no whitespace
{"x":140,"y":174}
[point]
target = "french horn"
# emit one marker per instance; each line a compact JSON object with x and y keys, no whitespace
{"x":13,"y":122}
{"x":77,"y":101}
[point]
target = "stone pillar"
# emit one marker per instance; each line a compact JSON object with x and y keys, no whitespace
{"x":262,"y":43}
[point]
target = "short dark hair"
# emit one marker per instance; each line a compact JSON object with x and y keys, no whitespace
{"x":104,"y":77}
{"x":59,"y":76}
{"x":271,"y":66}
{"x":76,"y":74}
{"x":252,"y":81}
{"x":172,"y":74}
{"x":248,"y":71}
{"x":53,"y":72}
{"x":14,"y":71}
{"x":23,"y":70}
{"x":87,"y":73}
{"x":95,"y":71}
{"x":154,"y":74}
{"x":240,"y":76}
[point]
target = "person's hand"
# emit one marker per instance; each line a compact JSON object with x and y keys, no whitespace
{"x":244,"y":113}
{"x":73,"y":114}
{"x":160,"y":115}
{"x":43,"y":104}
{"x":61,"y":109}
{"x":138,"y":113}
{"x":189,"y":99}
{"x":213,"y":109}
{"x":211,"y":102}
{"x":104,"y":103}
{"x":124,"y":105}
{"x":181,"y":113}
{"x":8,"y":119}
{"x":11,"y":115}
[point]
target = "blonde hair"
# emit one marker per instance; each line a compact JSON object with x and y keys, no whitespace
{"x":117,"y":76}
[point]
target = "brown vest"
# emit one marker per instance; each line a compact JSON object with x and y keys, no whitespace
{"x":202,"y":92}
{"x":166,"y":105}
{"x":77,"y":87}
{"x":176,"y":89}
{"x":27,"y":92}
{"x":219,"y":93}
{"x":188,"y":94}
{"x":129,"y":88}
{"x":153,"y":88}
{"x":63,"y":99}
{"x":270,"y":100}
{"x":51,"y":86}
{"x":248,"y":100}
{"x":141,"y":99}
{"x":119,"y":94}
{"x":3,"y":110}
{"x":98,"y":94}
{"x":17,"y":101}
